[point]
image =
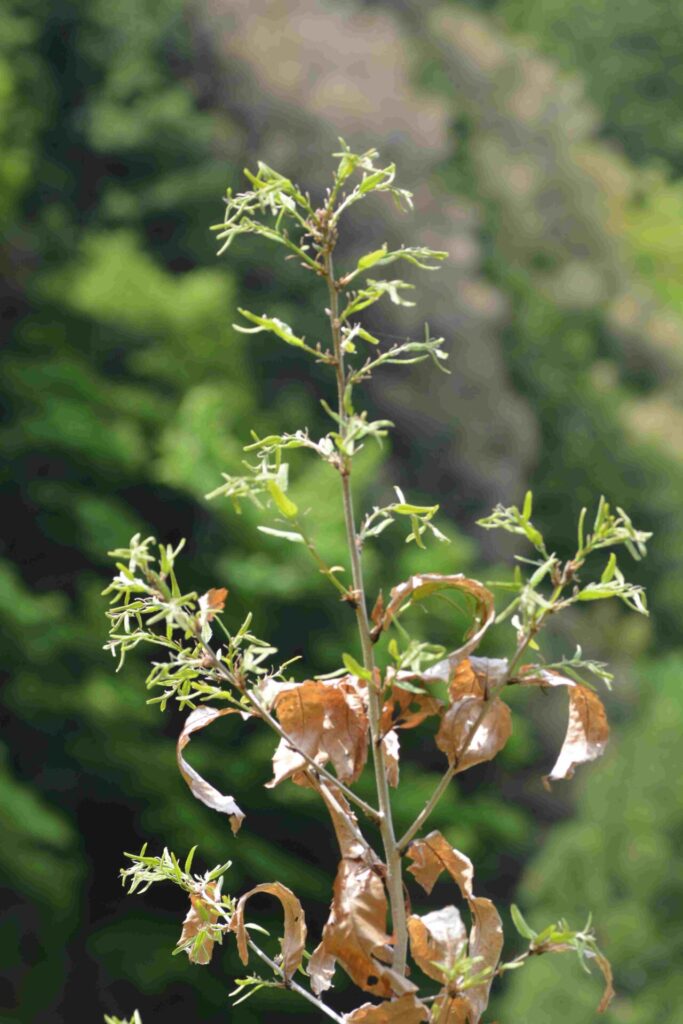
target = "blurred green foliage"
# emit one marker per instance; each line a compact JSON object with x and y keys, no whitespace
{"x":125,"y":393}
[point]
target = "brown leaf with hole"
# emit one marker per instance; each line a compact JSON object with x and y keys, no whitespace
{"x":433,"y":855}
{"x":473,"y":730}
{"x":439,"y":937}
{"x":327,"y":720}
{"x":294,"y":939}
{"x":200,"y":788}
{"x":419,"y":587}
{"x":200,"y":917}
{"x":406,"y":1010}
{"x":355,"y":932}
{"x":404,"y":709}
{"x":587,"y":729}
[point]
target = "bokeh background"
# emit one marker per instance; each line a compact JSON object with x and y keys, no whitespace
{"x":544,"y":142}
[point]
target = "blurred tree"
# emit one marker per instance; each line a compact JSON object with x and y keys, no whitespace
{"x":629,"y":56}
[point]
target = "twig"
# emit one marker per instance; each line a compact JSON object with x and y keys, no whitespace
{"x":444,"y":781}
{"x":294,"y":985}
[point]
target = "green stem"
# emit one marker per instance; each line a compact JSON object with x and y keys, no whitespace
{"x":394,"y":879}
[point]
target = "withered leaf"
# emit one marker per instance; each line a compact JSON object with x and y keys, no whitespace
{"x":430,"y":857}
{"x":294,"y":939}
{"x":200,"y":917}
{"x":200,"y":788}
{"x":404,"y":709}
{"x":437,"y":938}
{"x":213,"y":601}
{"x":406,"y":1010}
{"x":587,"y":729}
{"x":355,"y":932}
{"x":609,"y":993}
{"x":473,"y":730}
{"x":419,"y":587}
{"x":327,"y":720}
{"x":349,"y":836}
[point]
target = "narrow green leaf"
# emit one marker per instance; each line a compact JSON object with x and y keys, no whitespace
{"x":285,"y":505}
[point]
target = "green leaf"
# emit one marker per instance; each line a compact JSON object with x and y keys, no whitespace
{"x":355,"y":668}
{"x":520,"y":924}
{"x":285,"y":505}
{"x":610,"y":569}
{"x":295,"y":538}
{"x":371,"y":258}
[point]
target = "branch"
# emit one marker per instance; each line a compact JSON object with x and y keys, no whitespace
{"x":294,"y":985}
{"x":444,"y":782}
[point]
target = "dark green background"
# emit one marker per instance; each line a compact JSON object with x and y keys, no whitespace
{"x":544,"y":144}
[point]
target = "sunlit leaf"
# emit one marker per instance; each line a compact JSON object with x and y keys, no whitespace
{"x":587,"y":730}
{"x":200,"y":788}
{"x":437,"y":938}
{"x":294,"y":939}
{"x":473,"y":731}
{"x":327,"y":720}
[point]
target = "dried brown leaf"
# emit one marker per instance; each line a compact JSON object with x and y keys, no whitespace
{"x":404,"y":709}
{"x":406,"y":1010}
{"x":200,"y":788}
{"x":419,"y":587}
{"x":327,"y":720}
{"x":199,"y":919}
{"x":349,"y":836}
{"x":355,"y":932}
{"x":437,"y":938}
{"x":430,"y":857}
{"x":213,"y":601}
{"x":294,"y":939}
{"x":587,"y":729}
{"x":609,"y":993}
{"x":473,"y":730}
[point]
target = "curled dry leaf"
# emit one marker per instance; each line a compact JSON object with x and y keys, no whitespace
{"x":437,"y":938}
{"x":473,"y":730}
{"x":404,"y":709}
{"x":419,"y":587}
{"x":355,"y":932}
{"x":406,"y":1010}
{"x":213,"y":601}
{"x":200,"y":788}
{"x":327,"y":720}
{"x":294,"y":939}
{"x":198,"y":922}
{"x":608,"y":994}
{"x":430,"y":857}
{"x":587,"y":729}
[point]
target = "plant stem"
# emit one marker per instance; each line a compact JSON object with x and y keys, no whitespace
{"x":394,"y":879}
{"x":294,"y":985}
{"x":444,"y":781}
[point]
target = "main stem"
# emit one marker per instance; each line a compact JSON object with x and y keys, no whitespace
{"x":394,"y":880}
